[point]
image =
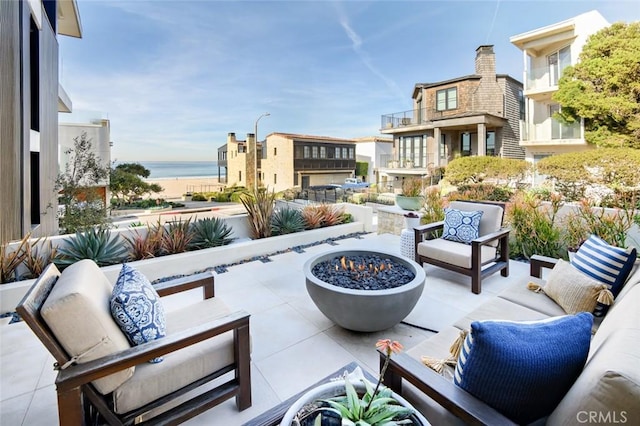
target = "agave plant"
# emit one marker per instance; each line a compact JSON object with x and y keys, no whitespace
{"x":95,"y":244}
{"x":10,"y":260}
{"x":211,"y":232}
{"x":147,"y":245}
{"x":259,"y":205}
{"x":37,"y":256}
{"x":287,"y":220}
{"x":177,"y":237}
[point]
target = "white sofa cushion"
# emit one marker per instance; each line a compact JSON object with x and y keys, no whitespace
{"x":452,"y":252}
{"x":77,"y":312}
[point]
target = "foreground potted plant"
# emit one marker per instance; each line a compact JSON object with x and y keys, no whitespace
{"x":411,"y":196}
{"x":355,"y":401}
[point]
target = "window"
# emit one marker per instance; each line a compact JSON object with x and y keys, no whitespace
{"x":345,"y":153}
{"x":352,"y":154}
{"x":314,"y":152}
{"x":443,"y":145}
{"x":275,"y":178}
{"x":465,"y":144}
{"x":491,"y":143}
{"x":338,"y":152}
{"x":307,"y":152}
{"x":557,"y":62}
{"x":447,"y":99}
{"x":275,"y":151}
{"x":240,"y":175}
{"x":521,"y":105}
{"x":323,"y":152}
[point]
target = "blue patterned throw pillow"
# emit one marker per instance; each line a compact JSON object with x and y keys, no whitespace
{"x":524,"y":369}
{"x":605,"y":263}
{"x":461,"y":226}
{"x":137,"y":309}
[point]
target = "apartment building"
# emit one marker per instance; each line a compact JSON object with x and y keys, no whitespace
{"x":31,"y":97}
{"x":546,"y":52}
{"x":476,"y":114}
{"x":372,"y":150}
{"x":286,"y":160}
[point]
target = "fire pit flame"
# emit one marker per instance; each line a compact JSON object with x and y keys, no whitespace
{"x":358,"y":269}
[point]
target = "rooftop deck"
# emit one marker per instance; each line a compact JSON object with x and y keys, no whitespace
{"x":294,"y":344}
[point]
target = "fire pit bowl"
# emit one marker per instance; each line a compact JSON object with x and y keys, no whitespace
{"x":365,"y":309}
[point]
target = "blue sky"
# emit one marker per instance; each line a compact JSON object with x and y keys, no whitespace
{"x":174,"y":77}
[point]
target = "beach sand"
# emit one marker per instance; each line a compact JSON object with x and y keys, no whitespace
{"x":175,"y":187}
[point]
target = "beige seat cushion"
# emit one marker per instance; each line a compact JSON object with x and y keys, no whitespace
{"x":180,"y":368}
{"x":521,"y":295}
{"x":609,"y":385}
{"x":77,"y":312}
{"x":458,"y":254}
{"x":499,"y":309}
{"x":625,"y":313}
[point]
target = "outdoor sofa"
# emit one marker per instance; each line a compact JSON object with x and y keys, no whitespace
{"x":607,"y":390}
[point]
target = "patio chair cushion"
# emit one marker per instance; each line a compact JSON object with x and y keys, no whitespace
{"x":491,"y":220}
{"x":137,"y":309}
{"x":572,"y":290}
{"x":452,"y":252}
{"x":605,"y":263}
{"x":77,"y":312}
{"x":182,"y":367}
{"x":461,"y":226}
{"x":509,"y":365}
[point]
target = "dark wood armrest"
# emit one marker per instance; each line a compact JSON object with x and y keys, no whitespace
{"x":429,"y":228}
{"x":454,"y":399}
{"x":80,"y":374}
{"x":485,"y":239}
{"x":177,"y":285}
{"x":537,"y":262}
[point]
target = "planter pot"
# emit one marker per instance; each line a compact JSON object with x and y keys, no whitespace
{"x":333,"y":389}
{"x":409,"y":203}
{"x":364,"y":310}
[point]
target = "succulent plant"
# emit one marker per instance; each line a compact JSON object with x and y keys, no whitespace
{"x":317,"y":216}
{"x":95,"y":244}
{"x":287,"y":220}
{"x":147,"y":245}
{"x":177,"y":237}
{"x":211,"y":232}
{"x":312,"y":217}
{"x":259,"y":205}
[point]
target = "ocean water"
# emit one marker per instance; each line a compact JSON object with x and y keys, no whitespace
{"x":171,"y":169}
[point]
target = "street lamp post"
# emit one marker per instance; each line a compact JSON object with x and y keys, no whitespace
{"x":255,"y":152}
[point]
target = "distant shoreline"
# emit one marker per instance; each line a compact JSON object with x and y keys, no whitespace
{"x":174,"y":187}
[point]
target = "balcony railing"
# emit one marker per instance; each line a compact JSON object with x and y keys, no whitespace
{"x":413,"y":117}
{"x":323,"y":164}
{"x":389,"y":161}
{"x":551,"y":130}
{"x":540,"y":78}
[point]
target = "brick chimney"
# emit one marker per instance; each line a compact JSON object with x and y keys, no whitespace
{"x":231,"y":138}
{"x":251,"y":161}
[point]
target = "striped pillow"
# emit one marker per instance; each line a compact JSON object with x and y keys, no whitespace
{"x":605,"y":263}
{"x":524,"y":369}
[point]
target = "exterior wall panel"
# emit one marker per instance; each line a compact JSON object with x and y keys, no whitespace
{"x":10,"y":122}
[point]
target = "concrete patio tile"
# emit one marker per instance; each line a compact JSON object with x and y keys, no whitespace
{"x":290,"y":285}
{"x":17,"y":335}
{"x":278,"y":328}
{"x":362,"y":346}
{"x":433,"y":313}
{"x":48,"y":376}
{"x":305,"y":306}
{"x":253,"y":298}
{"x":263,"y":398}
{"x":299,"y":366}
{"x":21,"y":370}
{"x":14,"y":410}
{"x":43,"y":410}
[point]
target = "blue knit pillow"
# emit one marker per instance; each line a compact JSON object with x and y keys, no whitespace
{"x":461,"y":226}
{"x":137,"y":309}
{"x":524,"y":369}
{"x":605,"y":263}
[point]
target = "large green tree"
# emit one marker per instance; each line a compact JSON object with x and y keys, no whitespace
{"x":604,"y":87}
{"x":126,"y":182}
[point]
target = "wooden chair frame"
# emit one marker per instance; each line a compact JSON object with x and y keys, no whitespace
{"x":78,"y":400}
{"x":500,"y":261}
{"x":444,"y":392}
